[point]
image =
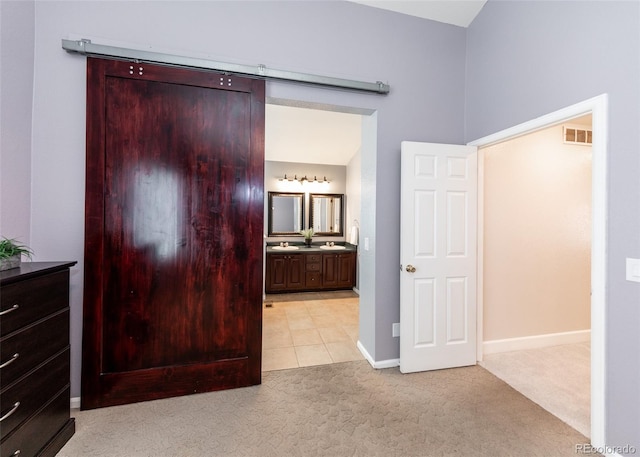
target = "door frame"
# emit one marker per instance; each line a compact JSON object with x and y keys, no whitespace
{"x":598,"y":107}
{"x":366,"y":255}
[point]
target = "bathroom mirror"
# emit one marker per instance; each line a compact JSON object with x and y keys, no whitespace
{"x":326,"y":211}
{"x":286,"y":213}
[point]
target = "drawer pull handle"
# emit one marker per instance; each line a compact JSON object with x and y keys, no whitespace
{"x":16,"y":453}
{"x":13,"y":410}
{"x":10,"y":361}
{"x":7,"y":311}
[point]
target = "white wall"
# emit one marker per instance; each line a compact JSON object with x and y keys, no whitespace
{"x":537,"y":236}
{"x":17,"y":29}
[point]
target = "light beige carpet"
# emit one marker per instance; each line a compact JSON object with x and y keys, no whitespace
{"x":345,"y":409}
{"x":558,"y":378}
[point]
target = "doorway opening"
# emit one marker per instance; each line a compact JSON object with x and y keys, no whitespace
{"x":597,"y":107}
{"x":302,"y":327}
{"x":536,"y":210}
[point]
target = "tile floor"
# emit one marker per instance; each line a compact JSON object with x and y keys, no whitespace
{"x":300,"y":330}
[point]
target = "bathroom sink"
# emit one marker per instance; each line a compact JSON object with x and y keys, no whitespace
{"x":333,"y":248}
{"x":285,"y":248}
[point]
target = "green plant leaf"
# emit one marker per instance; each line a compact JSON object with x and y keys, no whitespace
{"x":308,"y":233}
{"x":11,"y":247}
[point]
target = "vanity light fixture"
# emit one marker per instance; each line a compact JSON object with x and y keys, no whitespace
{"x":321,"y":181}
{"x":288,"y":178}
{"x":304,"y":179}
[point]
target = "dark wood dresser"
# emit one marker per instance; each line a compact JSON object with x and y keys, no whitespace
{"x":34,"y":359}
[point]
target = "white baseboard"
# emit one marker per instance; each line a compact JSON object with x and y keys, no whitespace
{"x":391,"y":363}
{"x":535,"y":342}
{"x":75,"y":403}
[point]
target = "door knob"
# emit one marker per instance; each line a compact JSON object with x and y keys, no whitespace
{"x":411,"y":269}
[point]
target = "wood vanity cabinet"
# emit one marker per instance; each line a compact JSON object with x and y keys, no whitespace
{"x":34,"y":359}
{"x":310,"y":271}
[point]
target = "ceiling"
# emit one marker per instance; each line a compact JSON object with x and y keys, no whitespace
{"x":456,"y":12}
{"x":306,"y":135}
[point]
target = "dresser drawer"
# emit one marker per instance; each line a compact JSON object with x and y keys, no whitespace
{"x":24,"y":302}
{"x":43,"y":427}
{"x":31,"y":393}
{"x":33,"y":345}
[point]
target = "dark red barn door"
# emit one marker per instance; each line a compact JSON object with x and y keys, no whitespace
{"x":173,"y":237}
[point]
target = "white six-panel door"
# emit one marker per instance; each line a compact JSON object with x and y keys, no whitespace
{"x":438,"y":256}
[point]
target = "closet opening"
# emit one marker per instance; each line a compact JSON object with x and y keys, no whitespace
{"x":597,"y":107}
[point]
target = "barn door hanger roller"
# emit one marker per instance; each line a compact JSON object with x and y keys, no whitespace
{"x":87,"y":48}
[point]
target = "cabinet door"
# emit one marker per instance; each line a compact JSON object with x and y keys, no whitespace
{"x":295,"y":272}
{"x":346,"y":267}
{"x":276,"y":272}
{"x":329,"y":270}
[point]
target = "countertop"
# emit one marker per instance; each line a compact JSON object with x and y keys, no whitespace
{"x":315,"y":247}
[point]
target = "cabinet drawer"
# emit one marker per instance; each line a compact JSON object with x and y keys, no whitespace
{"x":34,"y":344}
{"x":313,"y":280}
{"x":34,"y":434}
{"x":314,"y":266}
{"x":26,"y":301}
{"x":28,"y":395}
{"x":314,"y":258}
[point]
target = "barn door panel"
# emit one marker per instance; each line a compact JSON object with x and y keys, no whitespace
{"x":174,"y":217}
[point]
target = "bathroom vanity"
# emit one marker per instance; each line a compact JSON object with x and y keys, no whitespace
{"x":305,"y":269}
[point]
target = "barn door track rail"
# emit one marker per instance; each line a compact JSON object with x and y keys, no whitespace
{"x":87,"y":48}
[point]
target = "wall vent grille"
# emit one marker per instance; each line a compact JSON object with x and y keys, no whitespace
{"x":573,"y":134}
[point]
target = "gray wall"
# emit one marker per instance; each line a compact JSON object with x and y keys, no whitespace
{"x":423,"y":61}
{"x":526,"y":59}
{"x":353,"y":204}
{"x":17,"y":29}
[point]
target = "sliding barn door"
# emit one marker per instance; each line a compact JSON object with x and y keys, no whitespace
{"x":173,"y":236}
